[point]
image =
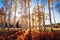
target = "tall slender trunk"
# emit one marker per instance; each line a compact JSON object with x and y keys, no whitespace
{"x":25,"y":11}
{"x":30,"y":38}
{"x":39,"y":16}
{"x":53,"y":15}
{"x":4,"y":17}
{"x":50,"y":16}
{"x":44,"y":20}
{"x":5,"y":4}
{"x":29,"y":19}
{"x":43,"y":12}
{"x":21,"y":15}
{"x":9,"y":15}
{"x":15,"y":14}
{"x":1,"y":20}
{"x":21,"y":20}
{"x":4,"y":21}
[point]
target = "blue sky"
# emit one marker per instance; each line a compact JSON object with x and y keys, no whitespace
{"x":56,"y":13}
{"x":57,"y":16}
{"x":1,"y":4}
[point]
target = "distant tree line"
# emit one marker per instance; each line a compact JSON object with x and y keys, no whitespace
{"x":11,"y":25}
{"x":57,"y":25}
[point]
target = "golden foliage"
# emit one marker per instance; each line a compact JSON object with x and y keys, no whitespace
{"x":24,"y":1}
{"x":51,"y":1}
